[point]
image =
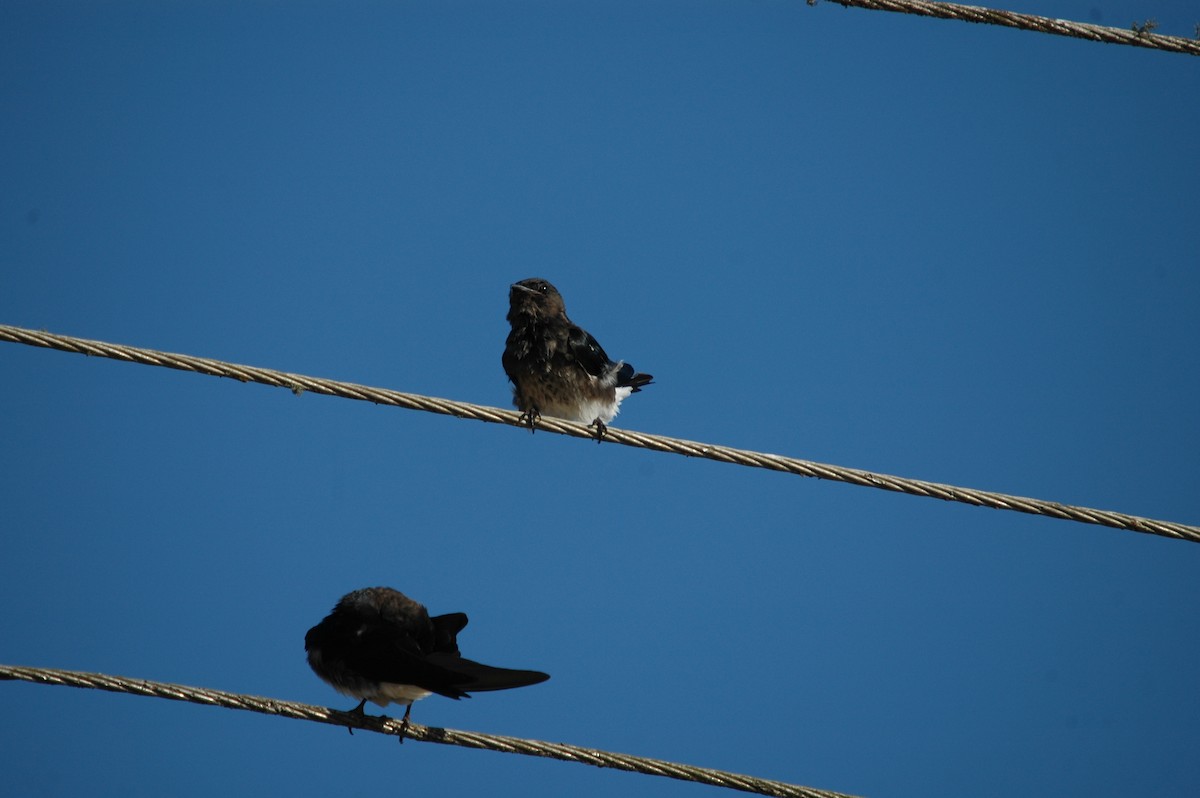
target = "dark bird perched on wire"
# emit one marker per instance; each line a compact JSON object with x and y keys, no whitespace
{"x":556,"y":367}
{"x":379,"y":645}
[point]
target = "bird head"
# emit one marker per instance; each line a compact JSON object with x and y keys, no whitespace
{"x":535,"y":297}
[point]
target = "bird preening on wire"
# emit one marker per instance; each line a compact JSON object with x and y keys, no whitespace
{"x":379,"y":645}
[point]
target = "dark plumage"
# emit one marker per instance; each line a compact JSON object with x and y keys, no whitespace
{"x":379,"y":645}
{"x":556,"y":367}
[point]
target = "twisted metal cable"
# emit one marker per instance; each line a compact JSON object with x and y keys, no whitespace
{"x":298,"y":383}
{"x":1138,"y":36}
{"x":414,"y":731}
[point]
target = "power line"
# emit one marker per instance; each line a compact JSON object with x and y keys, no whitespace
{"x":1136,"y":36}
{"x":414,"y":731}
{"x":299,"y":383}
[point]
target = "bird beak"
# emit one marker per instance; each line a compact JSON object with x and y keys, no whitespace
{"x":522,"y":288}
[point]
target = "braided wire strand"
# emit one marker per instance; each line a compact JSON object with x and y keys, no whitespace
{"x":414,"y":731}
{"x":1135,"y":37}
{"x":299,"y":383}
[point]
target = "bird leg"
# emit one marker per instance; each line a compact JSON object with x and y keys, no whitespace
{"x":404,"y":723}
{"x":358,"y":710}
{"x":601,"y":428}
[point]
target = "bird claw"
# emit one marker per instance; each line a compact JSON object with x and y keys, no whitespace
{"x":528,"y":418}
{"x":601,"y":428}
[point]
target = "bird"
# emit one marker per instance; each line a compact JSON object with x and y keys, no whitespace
{"x":381,"y":646}
{"x":556,"y":367}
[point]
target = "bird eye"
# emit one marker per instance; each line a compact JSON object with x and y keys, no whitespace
{"x":543,"y":287}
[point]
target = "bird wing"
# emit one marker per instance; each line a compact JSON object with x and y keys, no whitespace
{"x":445,"y":631}
{"x":595,"y":361}
{"x":383,"y":652}
{"x":476,"y":677}
{"x":587,"y":352}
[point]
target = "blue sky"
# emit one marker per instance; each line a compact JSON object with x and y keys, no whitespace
{"x":947,"y":251}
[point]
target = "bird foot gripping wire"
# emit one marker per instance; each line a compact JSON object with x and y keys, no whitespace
{"x":360,"y":711}
{"x":529,"y":417}
{"x":404,"y":724}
